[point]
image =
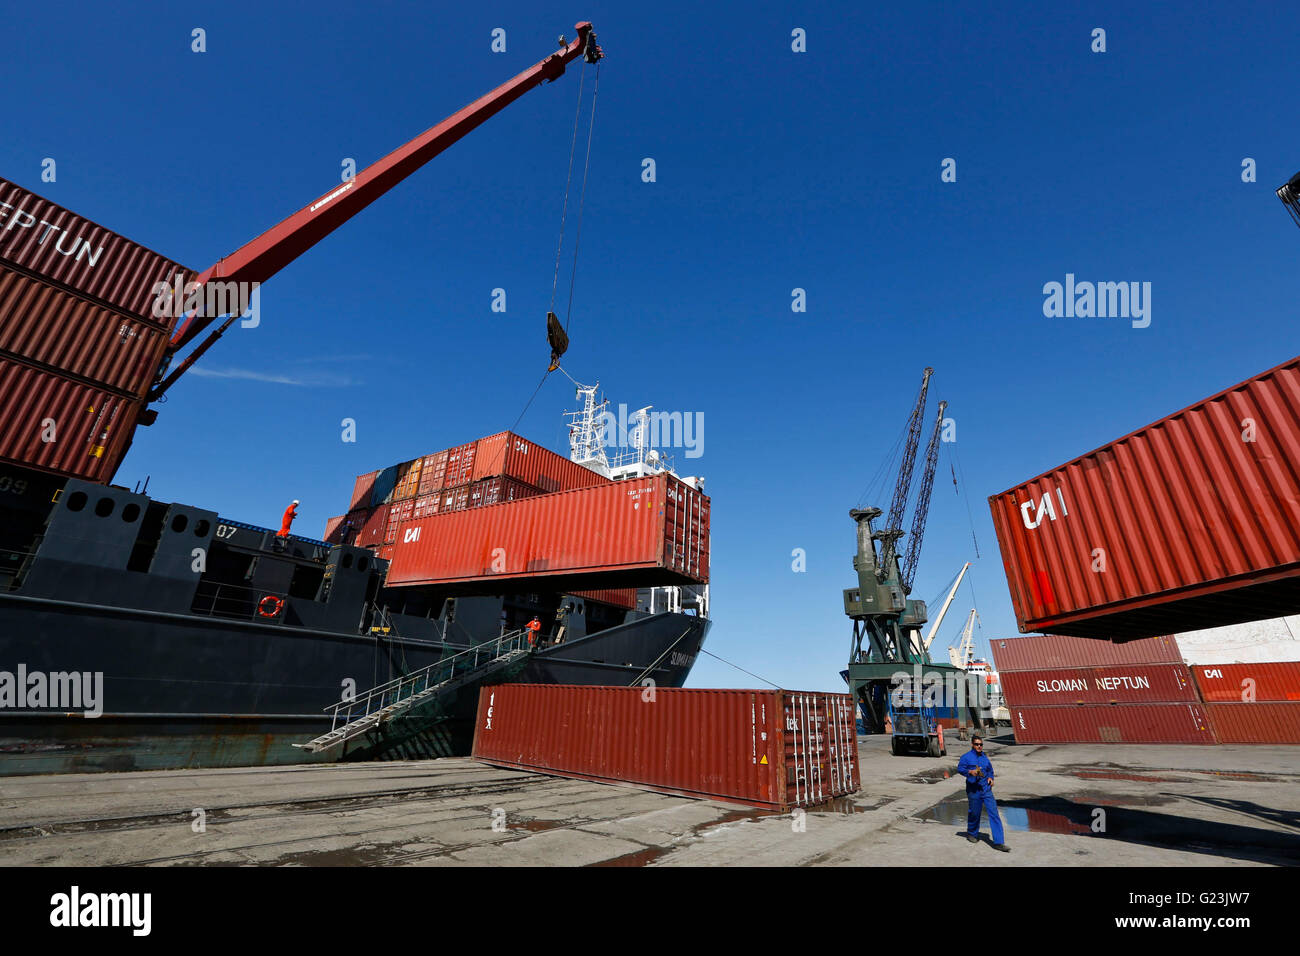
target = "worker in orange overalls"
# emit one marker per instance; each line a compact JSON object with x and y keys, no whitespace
{"x":534,"y":626}
{"x":287,"y":521}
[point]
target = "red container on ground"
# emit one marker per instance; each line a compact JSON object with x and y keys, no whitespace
{"x":52,"y":423}
{"x":1130,"y":684}
{"x":512,"y":456}
{"x":60,"y":331}
{"x":1198,"y":526}
{"x":1043,"y":651}
{"x":1262,"y":722}
{"x":460,"y":465}
{"x":433,"y":472}
{"x":62,"y":248}
{"x":656,"y":524}
{"x":1184,"y":723}
{"x":361,"y":491}
{"x":1238,"y":683}
{"x":773,"y":749}
{"x":618,"y":597}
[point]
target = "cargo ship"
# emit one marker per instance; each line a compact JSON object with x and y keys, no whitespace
{"x":142,"y":634}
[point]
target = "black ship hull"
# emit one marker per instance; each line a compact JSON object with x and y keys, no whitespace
{"x":136,"y":635}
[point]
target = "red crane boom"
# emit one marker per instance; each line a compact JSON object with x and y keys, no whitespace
{"x":263,"y":257}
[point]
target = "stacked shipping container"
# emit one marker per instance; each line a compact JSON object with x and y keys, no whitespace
{"x":80,"y":344}
{"x":1079,"y":690}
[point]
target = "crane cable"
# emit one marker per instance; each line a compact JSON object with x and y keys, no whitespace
{"x":582,"y":195}
{"x":564,"y":209}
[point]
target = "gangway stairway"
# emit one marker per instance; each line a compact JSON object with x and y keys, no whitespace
{"x":377,"y":706}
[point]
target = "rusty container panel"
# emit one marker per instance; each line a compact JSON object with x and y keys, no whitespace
{"x":398,"y":512}
{"x":1260,"y":722}
{"x":618,"y":597}
{"x":361,"y":491}
{"x":1239,"y":683}
{"x":460,"y":466}
{"x":1197,"y":526}
{"x":1184,"y":723}
{"x":512,"y":456}
{"x":770,"y":749}
{"x":408,"y":482}
{"x":650,"y":524}
{"x":433,"y":473}
{"x":1128,"y":683}
{"x":49,"y":242}
{"x":60,"y":331}
{"x":495,"y":491}
{"x":375,"y":528}
{"x":54,"y":424}
{"x":1042,"y":651}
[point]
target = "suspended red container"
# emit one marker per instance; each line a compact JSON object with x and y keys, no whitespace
{"x":1043,"y":651}
{"x":63,"y":249}
{"x":1237,"y":683}
{"x":1191,"y":522}
{"x":1184,"y":723}
{"x":57,"y":425}
{"x":618,"y":597}
{"x":1256,"y":723}
{"x":1131,"y":684}
{"x":648,"y":531}
{"x":773,"y":749}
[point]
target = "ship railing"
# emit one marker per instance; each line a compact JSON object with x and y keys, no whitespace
{"x":14,"y":565}
{"x":237,"y":601}
{"x":426,"y":678}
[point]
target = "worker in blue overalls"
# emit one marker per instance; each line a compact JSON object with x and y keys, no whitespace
{"x":978,"y":771}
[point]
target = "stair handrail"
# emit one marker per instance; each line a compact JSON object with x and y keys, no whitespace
{"x":380,"y":694}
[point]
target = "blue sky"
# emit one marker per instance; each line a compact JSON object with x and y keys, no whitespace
{"x":775,"y":170}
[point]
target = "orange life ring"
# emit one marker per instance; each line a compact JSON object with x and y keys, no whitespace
{"x":277,"y":605}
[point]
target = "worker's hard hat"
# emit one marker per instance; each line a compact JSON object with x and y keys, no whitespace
{"x":295,"y":500}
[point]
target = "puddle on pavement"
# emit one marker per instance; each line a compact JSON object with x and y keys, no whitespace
{"x":1117,"y":775}
{"x":639,"y":858}
{"x":844,"y":805}
{"x":931,"y":776}
{"x":953,"y":812}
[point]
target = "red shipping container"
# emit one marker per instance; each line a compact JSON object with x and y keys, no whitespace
{"x":433,"y":473}
{"x":512,"y":456}
{"x":333,"y":530}
{"x":426,"y":505}
{"x":774,"y":749}
{"x":656,"y":525}
{"x":48,"y":241}
{"x":1237,"y":683}
{"x":58,"y":330}
{"x":1196,"y":516}
{"x":1132,"y":683}
{"x":1256,"y":723}
{"x":618,"y":597}
{"x":398,"y":512}
{"x":54,"y":424}
{"x":460,"y":465}
{"x":454,"y":499}
{"x":1043,"y":651}
{"x":361,"y":491}
{"x":375,"y":528}
{"x":1112,"y":723}
{"x":495,"y":491}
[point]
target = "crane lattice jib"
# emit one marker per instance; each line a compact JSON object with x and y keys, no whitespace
{"x":894,"y":520}
{"x":922,"y":502}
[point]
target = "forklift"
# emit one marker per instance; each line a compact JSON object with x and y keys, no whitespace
{"x":915,"y":726}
